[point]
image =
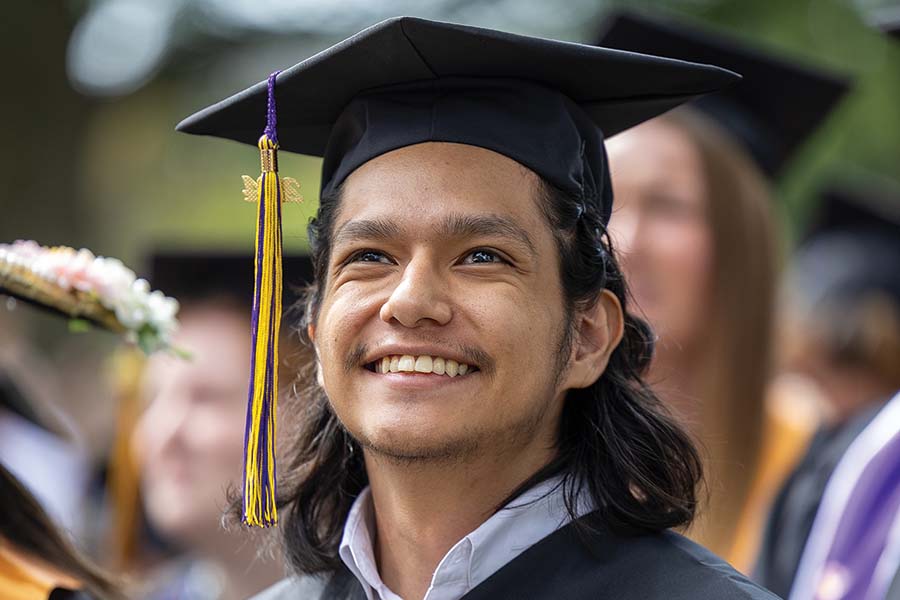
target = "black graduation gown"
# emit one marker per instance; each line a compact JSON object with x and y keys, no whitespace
{"x":579,"y":567}
{"x":797,"y":503}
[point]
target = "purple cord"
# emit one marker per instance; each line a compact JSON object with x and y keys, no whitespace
{"x":271,"y":121}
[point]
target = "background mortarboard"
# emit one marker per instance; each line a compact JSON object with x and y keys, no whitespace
{"x":193,"y":276}
{"x":855,"y":207}
{"x":852,"y":243}
{"x":776,"y":106}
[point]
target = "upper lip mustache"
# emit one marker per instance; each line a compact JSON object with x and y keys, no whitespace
{"x":414,"y":350}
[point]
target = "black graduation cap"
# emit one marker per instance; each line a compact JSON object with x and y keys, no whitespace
{"x":857,"y":208}
{"x":198,"y":276}
{"x":776,"y":106}
{"x":404,"y":81}
{"x":852,"y":242}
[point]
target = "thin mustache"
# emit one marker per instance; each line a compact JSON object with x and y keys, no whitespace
{"x":473,"y":356}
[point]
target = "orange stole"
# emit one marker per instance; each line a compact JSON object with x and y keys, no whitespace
{"x":25,"y":578}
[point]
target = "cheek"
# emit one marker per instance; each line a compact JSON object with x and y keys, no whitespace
{"x":342,"y":324}
{"x":684,"y":255}
{"x":682,"y":263}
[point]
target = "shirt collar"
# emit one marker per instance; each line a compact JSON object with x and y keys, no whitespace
{"x":507,"y":533}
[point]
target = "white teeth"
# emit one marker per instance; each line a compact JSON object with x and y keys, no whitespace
{"x":423,"y":364}
{"x":407,"y":363}
{"x":452,"y":368}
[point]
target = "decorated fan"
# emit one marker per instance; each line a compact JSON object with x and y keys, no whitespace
{"x":88,"y":289}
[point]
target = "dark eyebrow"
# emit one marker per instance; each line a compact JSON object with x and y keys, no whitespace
{"x":451,"y":226}
{"x":367,"y":229}
{"x":462,"y":226}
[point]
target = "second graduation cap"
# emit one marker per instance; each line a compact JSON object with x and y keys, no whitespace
{"x":543,"y":103}
{"x":771,"y":112}
{"x":852,"y":243}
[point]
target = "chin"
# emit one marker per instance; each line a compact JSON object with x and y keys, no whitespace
{"x":179,"y":514}
{"x":182,"y":527}
{"x":412,"y":444}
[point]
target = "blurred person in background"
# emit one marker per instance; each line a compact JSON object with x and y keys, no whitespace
{"x":188,"y":442}
{"x":697,"y":233}
{"x":842,"y":334}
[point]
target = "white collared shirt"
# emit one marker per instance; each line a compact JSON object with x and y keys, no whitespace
{"x":509,"y":532}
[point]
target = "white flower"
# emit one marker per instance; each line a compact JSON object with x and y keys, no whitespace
{"x":162,"y":313}
{"x":131,"y":305}
{"x":108,"y":280}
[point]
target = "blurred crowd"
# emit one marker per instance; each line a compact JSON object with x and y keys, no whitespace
{"x":780,"y":351}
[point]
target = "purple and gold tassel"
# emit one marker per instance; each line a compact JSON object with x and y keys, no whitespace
{"x":259,"y":434}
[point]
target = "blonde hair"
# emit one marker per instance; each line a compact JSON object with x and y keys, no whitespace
{"x":735,"y":364}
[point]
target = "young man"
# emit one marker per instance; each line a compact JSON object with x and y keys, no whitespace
{"x":478,"y":426}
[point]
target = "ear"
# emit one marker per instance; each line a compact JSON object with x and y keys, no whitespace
{"x":599,"y":331}
{"x":311,"y":332}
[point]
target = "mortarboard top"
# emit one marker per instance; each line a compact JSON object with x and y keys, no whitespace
{"x":198,"y":276}
{"x":544,"y":103}
{"x":777,"y":105}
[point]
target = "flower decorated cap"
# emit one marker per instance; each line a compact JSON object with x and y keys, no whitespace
{"x":84,"y":287}
{"x":543,"y":103}
{"x":777,"y":105}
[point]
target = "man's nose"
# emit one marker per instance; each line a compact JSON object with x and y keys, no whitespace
{"x":420,"y":296}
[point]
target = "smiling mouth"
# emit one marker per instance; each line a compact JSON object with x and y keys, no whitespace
{"x":424,"y":364}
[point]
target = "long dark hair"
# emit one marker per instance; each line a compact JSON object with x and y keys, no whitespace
{"x":616,"y":441}
{"x":26,"y":525}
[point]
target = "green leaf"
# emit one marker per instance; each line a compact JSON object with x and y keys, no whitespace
{"x":79,"y":326}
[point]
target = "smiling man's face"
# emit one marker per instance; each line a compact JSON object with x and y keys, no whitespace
{"x":442,"y":261}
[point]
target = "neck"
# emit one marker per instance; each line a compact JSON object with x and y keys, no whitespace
{"x":422,"y":509}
